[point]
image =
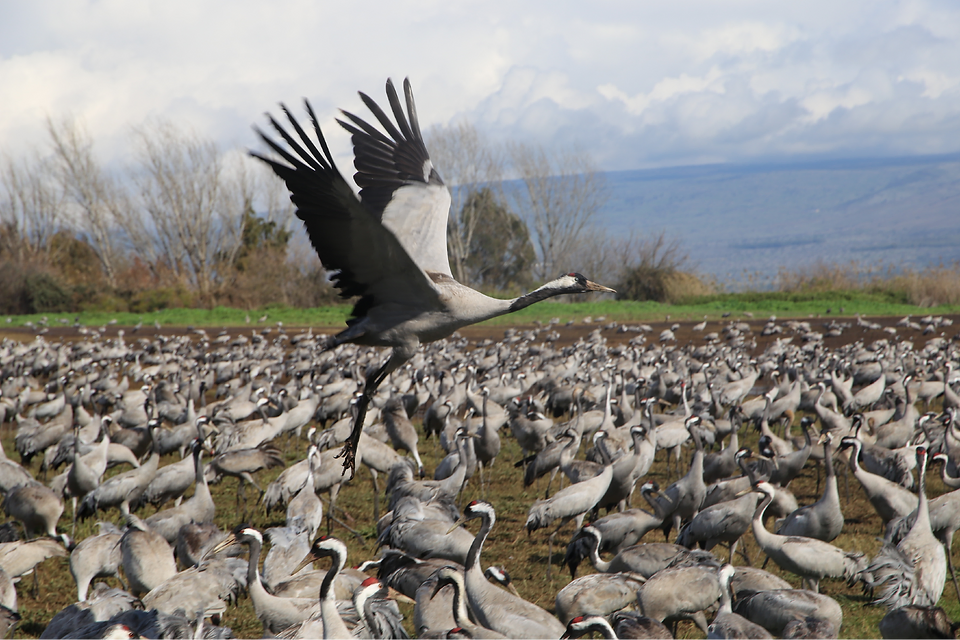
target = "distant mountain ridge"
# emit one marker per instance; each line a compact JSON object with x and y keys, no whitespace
{"x":748,"y":220}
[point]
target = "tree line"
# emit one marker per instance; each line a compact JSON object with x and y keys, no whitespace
{"x":185,"y":223}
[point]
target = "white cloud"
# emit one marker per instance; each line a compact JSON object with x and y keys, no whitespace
{"x":637,"y":84}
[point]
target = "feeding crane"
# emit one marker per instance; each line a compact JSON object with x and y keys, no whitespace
{"x":388,"y":246}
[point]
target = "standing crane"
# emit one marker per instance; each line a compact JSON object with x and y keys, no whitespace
{"x":571,"y":503}
{"x":495,"y":608}
{"x":914,"y":571}
{"x":823,"y":519}
{"x":408,"y":295}
{"x":728,"y":624}
{"x":809,"y":558}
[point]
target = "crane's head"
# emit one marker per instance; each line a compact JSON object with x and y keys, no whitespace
{"x":501,"y":577}
{"x":323,"y":547}
{"x":118,"y":631}
{"x":582,"y":625}
{"x":849,"y":441}
{"x":476,"y":509}
{"x":567,"y":283}
{"x":726,"y":574}
{"x":368,"y":589}
{"x":577,"y":283}
{"x":243,"y":534}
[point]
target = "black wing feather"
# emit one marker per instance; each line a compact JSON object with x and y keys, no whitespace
{"x":384,"y":164}
{"x":341,"y":229}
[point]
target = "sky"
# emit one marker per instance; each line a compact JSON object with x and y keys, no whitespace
{"x":636,"y":83}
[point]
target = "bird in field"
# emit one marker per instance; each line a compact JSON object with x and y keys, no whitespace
{"x":389,"y":245}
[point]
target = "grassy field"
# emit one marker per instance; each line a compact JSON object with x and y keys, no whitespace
{"x":784,"y":305}
{"x":523,"y":556}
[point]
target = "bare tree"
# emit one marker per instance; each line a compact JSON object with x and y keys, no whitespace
{"x":559,"y":195}
{"x":100,"y":202}
{"x":31,"y":207}
{"x":194,"y":205}
{"x":467,"y":162}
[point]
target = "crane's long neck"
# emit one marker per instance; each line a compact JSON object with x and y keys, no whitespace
{"x":726,"y":602}
{"x":473,"y":556}
{"x":197,"y":467}
{"x":696,"y":465}
{"x":201,"y":491}
{"x":548,"y":290}
{"x":253,"y":568}
{"x":923,"y":509}
{"x":855,"y":458}
{"x":360,"y":599}
{"x":598,"y":564}
{"x":734,"y":443}
{"x":569,"y":452}
{"x":333,"y":625}
{"x":765,"y":539}
{"x":828,"y":461}
{"x":454,"y":482}
{"x":945,"y":475}
{"x":658,"y":509}
{"x":460,"y":613}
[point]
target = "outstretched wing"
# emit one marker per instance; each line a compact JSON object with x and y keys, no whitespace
{"x":397,"y":181}
{"x":367,"y":258}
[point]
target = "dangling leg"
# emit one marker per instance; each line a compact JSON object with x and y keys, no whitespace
{"x":349,"y":452}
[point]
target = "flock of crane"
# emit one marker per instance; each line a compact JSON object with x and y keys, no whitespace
{"x":227,"y":406}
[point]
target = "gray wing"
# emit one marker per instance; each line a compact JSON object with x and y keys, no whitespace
{"x":398,"y":182}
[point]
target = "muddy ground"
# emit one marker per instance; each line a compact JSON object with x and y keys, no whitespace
{"x":615,"y":333}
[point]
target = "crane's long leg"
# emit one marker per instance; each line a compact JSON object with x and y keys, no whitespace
{"x":334,"y":492}
{"x":550,"y":547}
{"x":376,"y":494}
{"x":553,"y":474}
{"x":349,"y":451}
{"x":483,"y":487}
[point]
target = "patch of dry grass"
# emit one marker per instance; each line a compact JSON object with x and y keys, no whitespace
{"x":929,"y":287}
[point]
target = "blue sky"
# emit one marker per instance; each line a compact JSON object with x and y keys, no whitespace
{"x":636,"y":83}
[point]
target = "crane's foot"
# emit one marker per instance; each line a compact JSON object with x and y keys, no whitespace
{"x":349,"y":455}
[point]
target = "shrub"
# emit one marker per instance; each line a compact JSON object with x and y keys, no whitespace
{"x":173,"y":297}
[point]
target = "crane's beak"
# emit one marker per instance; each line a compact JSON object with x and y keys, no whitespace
{"x":455,"y":525}
{"x":393,"y":594}
{"x":223,"y":544}
{"x":661,"y":494}
{"x":513,"y":589}
{"x":593,"y":286}
{"x":310,"y":558}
